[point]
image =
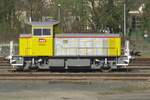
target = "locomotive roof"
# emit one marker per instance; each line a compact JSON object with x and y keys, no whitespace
{"x":78,"y":35}
{"x":45,"y":23}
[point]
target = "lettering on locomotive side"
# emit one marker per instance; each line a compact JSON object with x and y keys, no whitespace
{"x":42,"y":40}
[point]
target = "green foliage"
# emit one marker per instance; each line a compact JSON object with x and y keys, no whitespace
{"x":73,"y":14}
{"x":57,"y":29}
{"x":147,"y":16}
{"x":76,"y":15}
{"x":106,"y":14}
{"x":7,"y":18}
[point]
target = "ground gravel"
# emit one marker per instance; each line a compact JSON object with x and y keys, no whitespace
{"x":88,"y":90}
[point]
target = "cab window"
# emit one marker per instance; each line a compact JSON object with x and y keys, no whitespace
{"x":42,"y":32}
{"x":37,"y":32}
{"x":46,"y":32}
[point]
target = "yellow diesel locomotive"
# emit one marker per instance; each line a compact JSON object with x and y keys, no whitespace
{"x":45,"y":49}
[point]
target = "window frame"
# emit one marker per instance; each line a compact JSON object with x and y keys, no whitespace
{"x":38,"y":34}
{"x":46,"y":34}
{"x":42,"y":32}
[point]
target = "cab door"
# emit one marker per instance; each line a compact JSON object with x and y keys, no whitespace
{"x":25,"y":45}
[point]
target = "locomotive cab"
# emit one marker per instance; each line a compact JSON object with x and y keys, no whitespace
{"x":40,"y":42}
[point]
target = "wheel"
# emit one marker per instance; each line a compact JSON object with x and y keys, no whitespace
{"x":35,"y":69}
{"x":19,"y":68}
{"x":106,"y":69}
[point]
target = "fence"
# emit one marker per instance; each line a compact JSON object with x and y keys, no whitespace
{"x":5,"y":49}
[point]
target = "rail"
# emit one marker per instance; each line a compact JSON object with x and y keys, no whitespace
{"x":74,"y":76}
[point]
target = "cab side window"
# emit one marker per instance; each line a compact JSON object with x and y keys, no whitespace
{"x":41,"y":32}
{"x":46,"y":32}
{"x":37,"y":32}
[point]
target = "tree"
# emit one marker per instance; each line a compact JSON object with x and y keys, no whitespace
{"x":73,"y":14}
{"x":146,"y":16}
{"x":7,"y":16}
{"x":106,"y":14}
{"x":34,"y":8}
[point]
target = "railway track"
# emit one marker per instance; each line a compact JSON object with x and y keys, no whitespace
{"x":74,"y":76}
{"x":4,"y":64}
{"x":138,"y":63}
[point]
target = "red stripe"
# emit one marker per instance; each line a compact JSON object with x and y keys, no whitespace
{"x":25,"y":37}
{"x":87,"y":36}
{"x":76,"y":37}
